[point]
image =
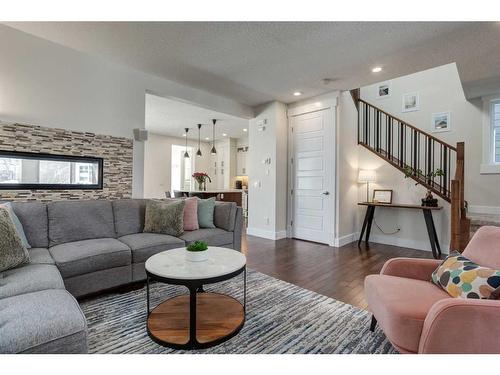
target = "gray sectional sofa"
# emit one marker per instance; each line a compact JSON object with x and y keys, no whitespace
{"x":80,"y":248}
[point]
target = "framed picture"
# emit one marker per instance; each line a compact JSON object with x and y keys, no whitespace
{"x":441,"y":122}
{"x":382,"y":196}
{"x":411,"y":102}
{"x":383,"y":90}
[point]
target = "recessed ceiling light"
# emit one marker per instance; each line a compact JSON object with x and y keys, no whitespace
{"x":207,"y":139}
{"x":184,"y":135}
{"x":297,"y":93}
{"x":224,"y":134}
{"x":377,"y":69}
{"x":245,"y":129}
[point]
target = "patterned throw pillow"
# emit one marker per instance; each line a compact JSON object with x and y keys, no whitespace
{"x":17,"y":224}
{"x":12,"y":251}
{"x":165,"y":217}
{"x":461,"y":277}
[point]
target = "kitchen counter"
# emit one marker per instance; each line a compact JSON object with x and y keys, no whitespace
{"x":215,"y":191}
{"x":225,"y":195}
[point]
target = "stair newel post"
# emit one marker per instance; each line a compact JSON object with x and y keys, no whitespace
{"x":455,"y":215}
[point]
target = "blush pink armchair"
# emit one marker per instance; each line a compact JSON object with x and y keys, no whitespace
{"x":420,"y":317}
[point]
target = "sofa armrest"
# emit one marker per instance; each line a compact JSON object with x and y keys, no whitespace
{"x":238,"y":229}
{"x":457,"y":325}
{"x":411,"y":268}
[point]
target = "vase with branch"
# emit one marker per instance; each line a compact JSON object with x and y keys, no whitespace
{"x":201,"y":178}
{"x":429,"y":200}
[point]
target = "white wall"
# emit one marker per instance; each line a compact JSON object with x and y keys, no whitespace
{"x":440,"y":91}
{"x":157,"y":163}
{"x":43,"y":83}
{"x":268,"y":183}
{"x":347,"y":170}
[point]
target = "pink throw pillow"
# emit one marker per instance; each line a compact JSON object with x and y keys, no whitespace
{"x":191,"y":214}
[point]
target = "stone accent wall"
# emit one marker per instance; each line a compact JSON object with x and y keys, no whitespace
{"x":116,"y":152}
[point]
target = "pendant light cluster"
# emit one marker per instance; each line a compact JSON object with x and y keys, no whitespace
{"x":186,"y":155}
{"x":213,"y":151}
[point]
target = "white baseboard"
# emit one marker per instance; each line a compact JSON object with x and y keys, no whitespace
{"x":488,"y":210}
{"x":344,"y":240}
{"x":270,"y":235}
{"x":406,"y":242}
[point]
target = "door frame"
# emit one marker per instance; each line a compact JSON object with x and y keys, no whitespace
{"x":330,"y":104}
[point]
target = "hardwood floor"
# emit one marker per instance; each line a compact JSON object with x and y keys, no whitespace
{"x":334,"y":272}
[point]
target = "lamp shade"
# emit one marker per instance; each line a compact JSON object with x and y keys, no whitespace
{"x":366,"y":175}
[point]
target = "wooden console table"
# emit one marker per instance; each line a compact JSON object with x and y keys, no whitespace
{"x":429,"y":222}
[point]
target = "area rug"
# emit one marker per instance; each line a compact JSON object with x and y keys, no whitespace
{"x":281,"y":318}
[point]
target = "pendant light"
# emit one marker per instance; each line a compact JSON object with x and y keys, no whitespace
{"x":213,"y":151}
{"x":198,"y":153}
{"x":186,"y":155}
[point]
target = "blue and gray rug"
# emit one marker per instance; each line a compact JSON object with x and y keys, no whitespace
{"x":281,"y":318}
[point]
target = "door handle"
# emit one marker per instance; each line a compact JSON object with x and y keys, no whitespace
{"x":326,"y":193}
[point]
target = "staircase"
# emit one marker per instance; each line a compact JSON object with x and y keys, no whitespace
{"x":420,"y":156}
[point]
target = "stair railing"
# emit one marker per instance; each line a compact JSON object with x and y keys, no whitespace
{"x":421,"y":156}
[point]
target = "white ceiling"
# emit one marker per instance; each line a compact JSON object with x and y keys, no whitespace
{"x":170,"y":117}
{"x":255,"y":62}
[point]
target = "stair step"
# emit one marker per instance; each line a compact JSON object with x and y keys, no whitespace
{"x":480,"y":220}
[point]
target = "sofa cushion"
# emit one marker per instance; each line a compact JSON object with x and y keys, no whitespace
{"x":129,"y":216}
{"x":40,"y":255}
{"x":213,"y":237}
{"x":33,"y":217}
{"x":165,"y":217}
{"x":461,"y":277}
{"x":80,"y":257}
{"x":400,"y":306}
{"x":52,"y":322}
{"x":12,"y":251}
{"x":225,"y":215}
{"x":144,"y":245}
{"x":71,"y":221}
{"x":29,"y":278}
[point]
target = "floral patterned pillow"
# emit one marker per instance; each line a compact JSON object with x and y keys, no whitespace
{"x":463,"y":278}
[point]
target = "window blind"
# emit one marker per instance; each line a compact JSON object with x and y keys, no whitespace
{"x":495,"y":124}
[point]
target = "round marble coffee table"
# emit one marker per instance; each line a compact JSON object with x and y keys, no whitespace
{"x":199,"y":319}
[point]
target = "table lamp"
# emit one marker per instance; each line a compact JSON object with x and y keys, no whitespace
{"x":367,"y":176}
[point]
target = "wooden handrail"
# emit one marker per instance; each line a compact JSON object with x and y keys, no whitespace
{"x":409,"y":125}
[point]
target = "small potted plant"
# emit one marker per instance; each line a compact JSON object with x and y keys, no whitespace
{"x":429,"y":200}
{"x":197,"y":251}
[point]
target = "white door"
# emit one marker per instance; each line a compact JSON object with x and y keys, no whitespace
{"x":313,"y":198}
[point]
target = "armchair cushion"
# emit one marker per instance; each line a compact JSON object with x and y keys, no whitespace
{"x":461,"y":277}
{"x":401,"y":306}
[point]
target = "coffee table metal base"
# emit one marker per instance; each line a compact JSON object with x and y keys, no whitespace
{"x":197,"y":320}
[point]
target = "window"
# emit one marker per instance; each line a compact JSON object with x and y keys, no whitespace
{"x":181,"y":168}
{"x":491,"y":135}
{"x":22,"y":170}
{"x":495,"y":129}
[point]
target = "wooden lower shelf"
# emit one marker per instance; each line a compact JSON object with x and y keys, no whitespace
{"x":217,"y":316}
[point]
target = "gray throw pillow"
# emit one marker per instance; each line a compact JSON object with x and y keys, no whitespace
{"x":206,"y":213}
{"x":165,"y":217}
{"x":17,"y":224}
{"x":12,"y":251}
